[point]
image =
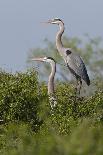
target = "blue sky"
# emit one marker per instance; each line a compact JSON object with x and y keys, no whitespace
{"x":21,"y":30}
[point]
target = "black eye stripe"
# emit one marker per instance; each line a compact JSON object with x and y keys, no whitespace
{"x":56,"y":19}
{"x":68,"y":52}
{"x":50,"y":58}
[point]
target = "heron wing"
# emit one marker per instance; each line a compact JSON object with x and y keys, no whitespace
{"x":77,"y":67}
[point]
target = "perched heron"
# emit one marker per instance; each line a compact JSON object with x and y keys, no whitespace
{"x":73,"y":61}
{"x":52,"y":62}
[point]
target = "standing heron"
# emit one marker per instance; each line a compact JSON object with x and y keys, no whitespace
{"x":51,"y":95}
{"x":73,"y":61}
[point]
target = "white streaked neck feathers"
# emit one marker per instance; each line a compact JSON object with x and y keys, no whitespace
{"x":59,"y":44}
{"x":51,"y":79}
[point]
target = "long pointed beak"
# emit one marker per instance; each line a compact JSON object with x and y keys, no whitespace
{"x":48,"y":22}
{"x":37,"y":59}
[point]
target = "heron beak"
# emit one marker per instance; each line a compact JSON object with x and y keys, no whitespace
{"x":37,"y":59}
{"x":48,"y":22}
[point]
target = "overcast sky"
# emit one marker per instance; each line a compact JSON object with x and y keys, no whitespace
{"x":21,"y":30}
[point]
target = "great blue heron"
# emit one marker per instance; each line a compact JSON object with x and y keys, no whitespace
{"x":51,"y":95}
{"x":73,"y":61}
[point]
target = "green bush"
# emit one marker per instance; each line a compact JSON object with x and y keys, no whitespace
{"x":19,"y":97}
{"x":19,"y":139}
{"x":29,"y":126}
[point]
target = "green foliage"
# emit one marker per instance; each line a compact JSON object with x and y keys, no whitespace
{"x":18,"y":139}
{"x":19,"y":99}
{"x":29,"y":126}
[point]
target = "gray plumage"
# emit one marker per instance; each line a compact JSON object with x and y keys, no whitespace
{"x":73,"y":61}
{"x":77,"y":67}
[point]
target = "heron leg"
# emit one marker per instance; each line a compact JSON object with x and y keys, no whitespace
{"x":78,"y":87}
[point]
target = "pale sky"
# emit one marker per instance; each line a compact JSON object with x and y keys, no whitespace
{"x":21,"y":30}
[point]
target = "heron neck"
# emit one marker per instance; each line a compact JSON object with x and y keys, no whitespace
{"x":51,"y":79}
{"x":59,"y":44}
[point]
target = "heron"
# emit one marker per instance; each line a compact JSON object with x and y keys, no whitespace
{"x":73,"y":61}
{"x":51,"y":91}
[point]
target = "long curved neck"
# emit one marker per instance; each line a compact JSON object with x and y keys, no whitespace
{"x":59,"y":44}
{"x":51,"y":79}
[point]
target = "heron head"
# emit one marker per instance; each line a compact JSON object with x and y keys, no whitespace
{"x":55,"y":21}
{"x":44,"y":59}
